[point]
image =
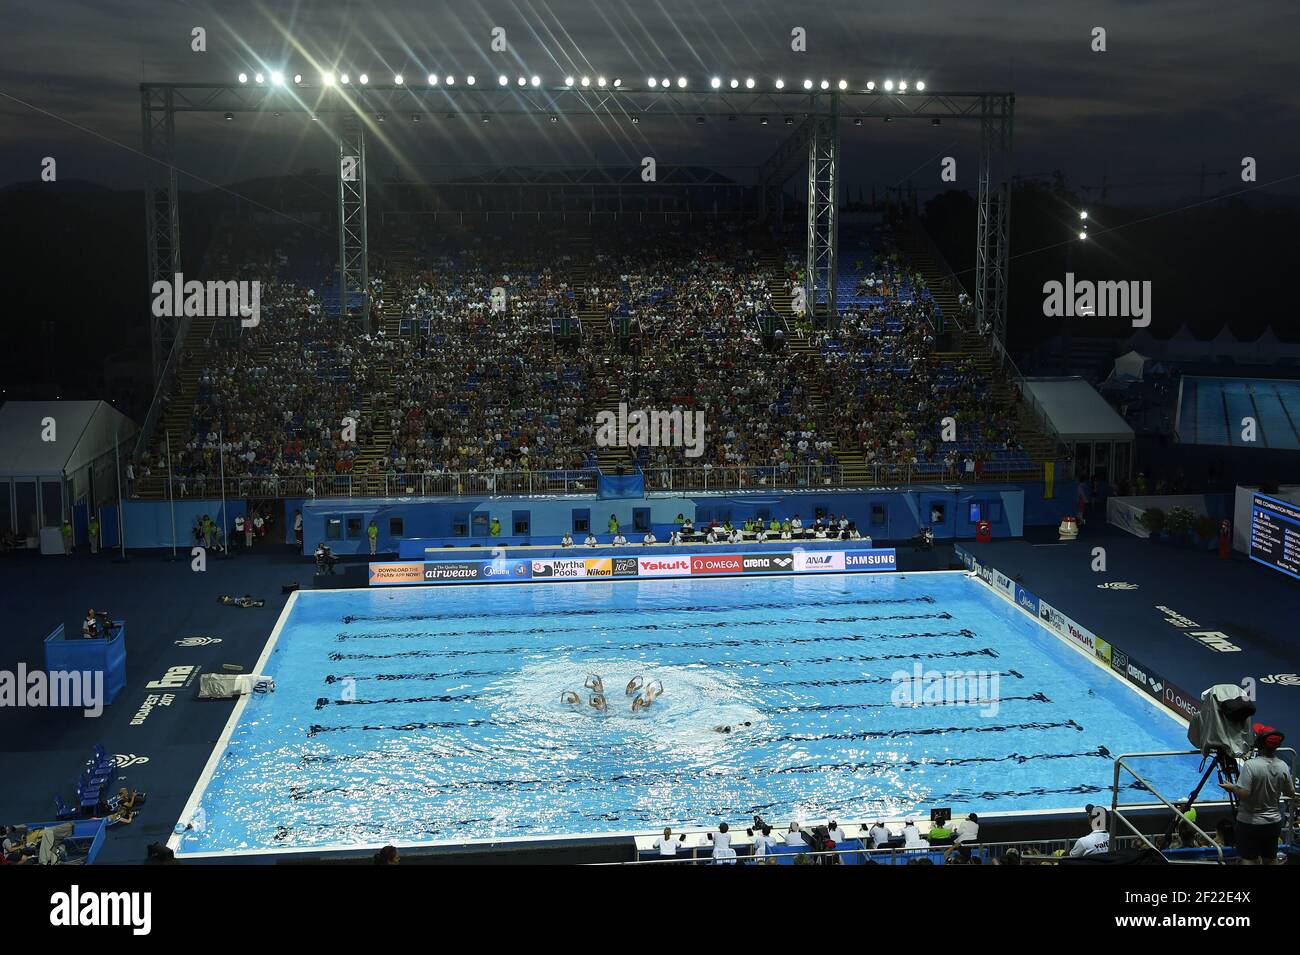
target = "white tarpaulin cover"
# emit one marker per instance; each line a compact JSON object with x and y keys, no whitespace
{"x":1130,"y":365}
{"x":1077,"y":411}
{"x":84,"y":430}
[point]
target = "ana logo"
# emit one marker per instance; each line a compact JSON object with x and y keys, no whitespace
{"x":174,"y":679}
{"x":197,"y":641}
{"x":1281,"y":679}
{"x":123,"y":760}
{"x":1117,"y":585}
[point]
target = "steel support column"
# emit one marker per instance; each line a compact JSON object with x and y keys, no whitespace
{"x":161,"y":215}
{"x":823,"y":222}
{"x":993,"y":218}
{"x":354,"y":261}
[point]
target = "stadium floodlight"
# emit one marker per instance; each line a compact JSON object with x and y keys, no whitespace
{"x":749,"y":82}
{"x":586,"y":81}
{"x":344,"y":78}
{"x":537,"y":81}
{"x":889,"y":86}
{"x":844,"y":84}
{"x":734,"y":83}
{"x":433,"y":79}
{"x":600,"y":81}
{"x":327,"y":79}
{"x":681,"y":82}
{"x":450,"y":80}
{"x":902,"y":86}
{"x":780,"y":84}
{"x":871,"y":86}
{"x":277,"y":78}
{"x":715,"y":82}
{"x":243,"y":77}
{"x":617,"y":82}
{"x":1083,"y":213}
{"x":259,"y":78}
{"x":920,"y":86}
{"x":568,"y":81}
{"x":522,"y":81}
{"x":364,"y":78}
{"x":502,"y":80}
{"x":807,"y":84}
{"x":297,"y":79}
{"x":653,"y":82}
{"x":664,"y":83}
{"x":470,"y":79}
{"x":636,"y":119}
{"x":826,"y":84}
{"x":397,"y":80}
{"x":1083,"y":235}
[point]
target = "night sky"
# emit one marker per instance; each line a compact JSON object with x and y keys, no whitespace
{"x":1182,"y":83}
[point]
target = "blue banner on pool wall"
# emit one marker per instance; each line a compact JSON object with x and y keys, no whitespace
{"x":634,"y":564}
{"x":1140,"y":675}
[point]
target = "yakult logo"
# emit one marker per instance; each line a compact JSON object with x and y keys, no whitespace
{"x":662,"y":566}
{"x":208,"y":299}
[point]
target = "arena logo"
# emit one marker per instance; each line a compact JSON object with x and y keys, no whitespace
{"x":74,"y":689}
{"x":651,"y":429}
{"x":769,"y":562}
{"x":1086,"y":298}
{"x":921,"y":687}
{"x":212,"y":299}
{"x":75,"y":908}
{"x":663,"y":566}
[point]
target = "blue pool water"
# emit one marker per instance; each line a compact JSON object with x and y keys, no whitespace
{"x":1212,"y":410}
{"x":433,"y":714}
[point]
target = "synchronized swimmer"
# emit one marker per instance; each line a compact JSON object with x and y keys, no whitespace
{"x":644,"y":693}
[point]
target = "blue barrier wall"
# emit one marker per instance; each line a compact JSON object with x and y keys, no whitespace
{"x":882,"y":514}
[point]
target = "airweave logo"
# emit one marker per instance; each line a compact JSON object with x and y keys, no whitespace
{"x":75,"y":908}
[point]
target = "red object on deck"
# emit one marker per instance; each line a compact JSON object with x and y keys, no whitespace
{"x":1225,"y":540}
{"x":983,"y":531}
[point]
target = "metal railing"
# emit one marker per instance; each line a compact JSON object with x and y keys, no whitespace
{"x":819,"y":476}
{"x":1032,"y":852}
{"x":456,"y":484}
{"x":321,"y":485}
{"x":1117,"y":810}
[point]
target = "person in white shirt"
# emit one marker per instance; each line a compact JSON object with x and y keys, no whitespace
{"x":688,"y":526}
{"x":763,"y":842}
{"x":796,"y":526}
{"x":619,"y":539}
{"x":968,"y":830}
{"x":761,"y":535}
{"x":912,"y":837}
{"x":591,"y":540}
{"x":879,"y":835}
{"x":675,"y":538}
{"x":734,"y":537}
{"x":721,"y":840}
{"x":711,"y":537}
{"x":820,"y":533}
{"x":794,"y":837}
{"x":838,"y":835}
{"x":1091,"y":844}
{"x":1096,"y":817}
{"x":566,"y":540}
{"x":666,"y":845}
{"x":649,"y":538}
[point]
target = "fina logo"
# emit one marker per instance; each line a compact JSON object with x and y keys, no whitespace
{"x":1281,"y":679}
{"x":1117,"y":585}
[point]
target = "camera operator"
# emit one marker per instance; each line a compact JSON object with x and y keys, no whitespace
{"x":1263,"y":781}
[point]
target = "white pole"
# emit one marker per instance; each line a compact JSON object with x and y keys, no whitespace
{"x":221,"y":454}
{"x":171,"y":499}
{"x":117,"y":458}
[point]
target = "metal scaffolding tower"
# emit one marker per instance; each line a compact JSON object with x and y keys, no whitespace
{"x":354,"y":256}
{"x":162,"y":222}
{"x":823,"y":197}
{"x":993,"y":218}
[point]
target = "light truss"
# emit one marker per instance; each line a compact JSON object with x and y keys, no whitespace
{"x":815,"y":142}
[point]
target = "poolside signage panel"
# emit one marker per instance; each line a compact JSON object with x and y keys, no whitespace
{"x":509,"y":570}
{"x":1027,"y":599}
{"x":1275,"y":534}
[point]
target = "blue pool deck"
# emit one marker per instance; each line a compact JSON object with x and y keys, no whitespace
{"x":430,"y":717}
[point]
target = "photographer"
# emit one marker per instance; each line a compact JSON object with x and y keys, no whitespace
{"x":1263,"y":781}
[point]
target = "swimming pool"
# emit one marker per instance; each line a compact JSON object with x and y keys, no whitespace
{"x":433,"y":715}
{"x":1212,"y":411}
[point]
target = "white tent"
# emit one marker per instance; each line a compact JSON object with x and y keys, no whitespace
{"x":1130,"y":365}
{"x":1100,"y":440}
{"x":53,"y":455}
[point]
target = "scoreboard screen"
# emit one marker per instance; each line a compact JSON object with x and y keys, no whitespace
{"x":1275,"y":534}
